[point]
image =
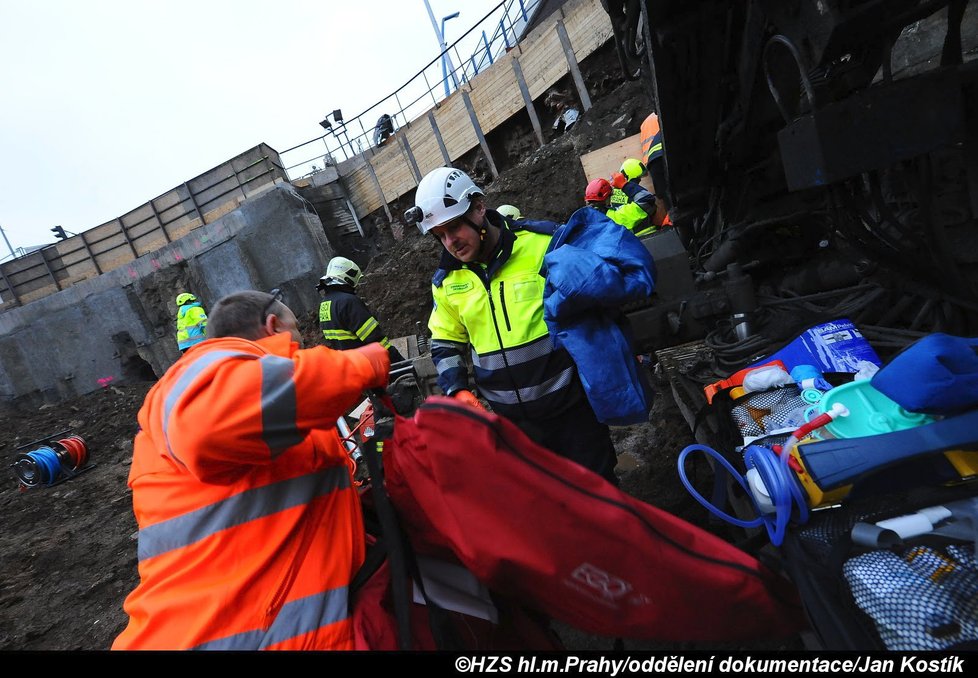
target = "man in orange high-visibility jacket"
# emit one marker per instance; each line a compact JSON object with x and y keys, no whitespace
{"x":653,"y":157}
{"x":250,"y":528}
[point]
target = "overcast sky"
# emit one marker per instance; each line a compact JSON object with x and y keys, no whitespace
{"x":105,"y":104}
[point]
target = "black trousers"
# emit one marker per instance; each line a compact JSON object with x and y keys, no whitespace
{"x":577,"y":435}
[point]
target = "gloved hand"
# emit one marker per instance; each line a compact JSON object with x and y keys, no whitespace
{"x":380,"y":361}
{"x":618,"y":180}
{"x":468,"y":397}
{"x":362,"y":473}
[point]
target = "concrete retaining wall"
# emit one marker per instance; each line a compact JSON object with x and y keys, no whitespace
{"x":164,"y":219}
{"x":120,"y":325}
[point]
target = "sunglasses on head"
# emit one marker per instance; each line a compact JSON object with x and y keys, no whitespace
{"x":276,"y":296}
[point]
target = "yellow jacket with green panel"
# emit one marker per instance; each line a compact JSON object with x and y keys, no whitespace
{"x":495,"y":311}
{"x":191,"y":325}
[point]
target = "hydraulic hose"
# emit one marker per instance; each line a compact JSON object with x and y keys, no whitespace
{"x":777,"y":479}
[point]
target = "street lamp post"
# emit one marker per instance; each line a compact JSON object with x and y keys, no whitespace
{"x":7,"y":241}
{"x":341,"y":130}
{"x":447,"y":67}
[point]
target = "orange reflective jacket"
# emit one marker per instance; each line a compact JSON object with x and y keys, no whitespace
{"x":249,"y":525}
{"x":651,"y":138}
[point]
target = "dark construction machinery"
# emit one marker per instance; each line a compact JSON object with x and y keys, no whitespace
{"x":821,"y":161}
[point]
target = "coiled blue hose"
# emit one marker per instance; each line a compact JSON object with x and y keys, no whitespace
{"x":47,"y":463}
{"x":777,"y":477}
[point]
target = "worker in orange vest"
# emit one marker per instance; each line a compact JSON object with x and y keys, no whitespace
{"x":250,"y":529}
{"x":654,"y":159}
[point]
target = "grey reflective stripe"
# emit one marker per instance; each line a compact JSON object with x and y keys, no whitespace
{"x":308,"y":614}
{"x":242,"y":508}
{"x":183,"y":382}
{"x":446,"y":364}
{"x":530,"y":393}
{"x":644,"y":194}
{"x":442,"y":343}
{"x":514,"y":356}
{"x":295,"y":619}
{"x":278,"y":408}
{"x":248,"y":640}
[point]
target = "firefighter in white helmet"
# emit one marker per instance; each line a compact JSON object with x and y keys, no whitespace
{"x":510,"y":212}
{"x":488,"y":299}
{"x":344,"y":319}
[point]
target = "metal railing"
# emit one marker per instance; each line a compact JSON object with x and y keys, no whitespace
{"x":164,"y":219}
{"x":493,"y":35}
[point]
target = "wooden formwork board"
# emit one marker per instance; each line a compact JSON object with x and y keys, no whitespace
{"x":70,"y":250}
{"x":456,"y":126}
{"x":36,"y":293}
{"x":140,"y":221}
{"x":588,"y":27}
{"x":221,"y":192}
{"x":182,"y":226}
{"x":115,"y":258}
{"x":169,"y":200}
{"x":212,"y":215}
{"x":150,"y":242}
{"x":496,"y":95}
{"x":424,"y":145}
{"x":386,"y":158}
{"x":80,"y":276}
{"x":70,"y":256}
{"x":360,"y":185}
{"x":98,"y":236}
{"x":607,"y":160}
{"x":23,"y":269}
{"x":363,"y":191}
{"x":109,"y":240}
{"x":80,"y":270}
{"x":544,"y":63}
{"x":394,"y":172}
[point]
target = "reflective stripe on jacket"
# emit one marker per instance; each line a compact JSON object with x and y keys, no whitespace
{"x":250,"y":530}
{"x":191,"y":325}
{"x":651,"y":138}
{"x":497,"y":311}
{"x":347,"y":323}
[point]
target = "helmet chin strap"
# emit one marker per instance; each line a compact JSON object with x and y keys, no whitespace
{"x":481,"y":230}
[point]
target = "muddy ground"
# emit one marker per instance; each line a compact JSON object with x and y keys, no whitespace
{"x":68,"y":552}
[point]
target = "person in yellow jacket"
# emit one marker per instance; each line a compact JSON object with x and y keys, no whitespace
{"x":488,"y":305}
{"x":627,"y":190}
{"x":630,"y":215}
{"x":191,"y":321}
{"x":250,"y":529}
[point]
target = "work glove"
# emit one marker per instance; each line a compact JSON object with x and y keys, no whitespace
{"x":380,"y":362}
{"x":468,"y":397}
{"x":618,"y":180}
{"x":362,"y":473}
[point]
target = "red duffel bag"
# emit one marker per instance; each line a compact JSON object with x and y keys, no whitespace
{"x":560,"y":539}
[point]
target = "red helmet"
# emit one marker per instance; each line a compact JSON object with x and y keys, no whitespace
{"x":598,"y":190}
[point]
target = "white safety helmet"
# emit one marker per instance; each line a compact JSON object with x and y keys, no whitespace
{"x":509,"y":211}
{"x":444,"y":194}
{"x":341,"y":269}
